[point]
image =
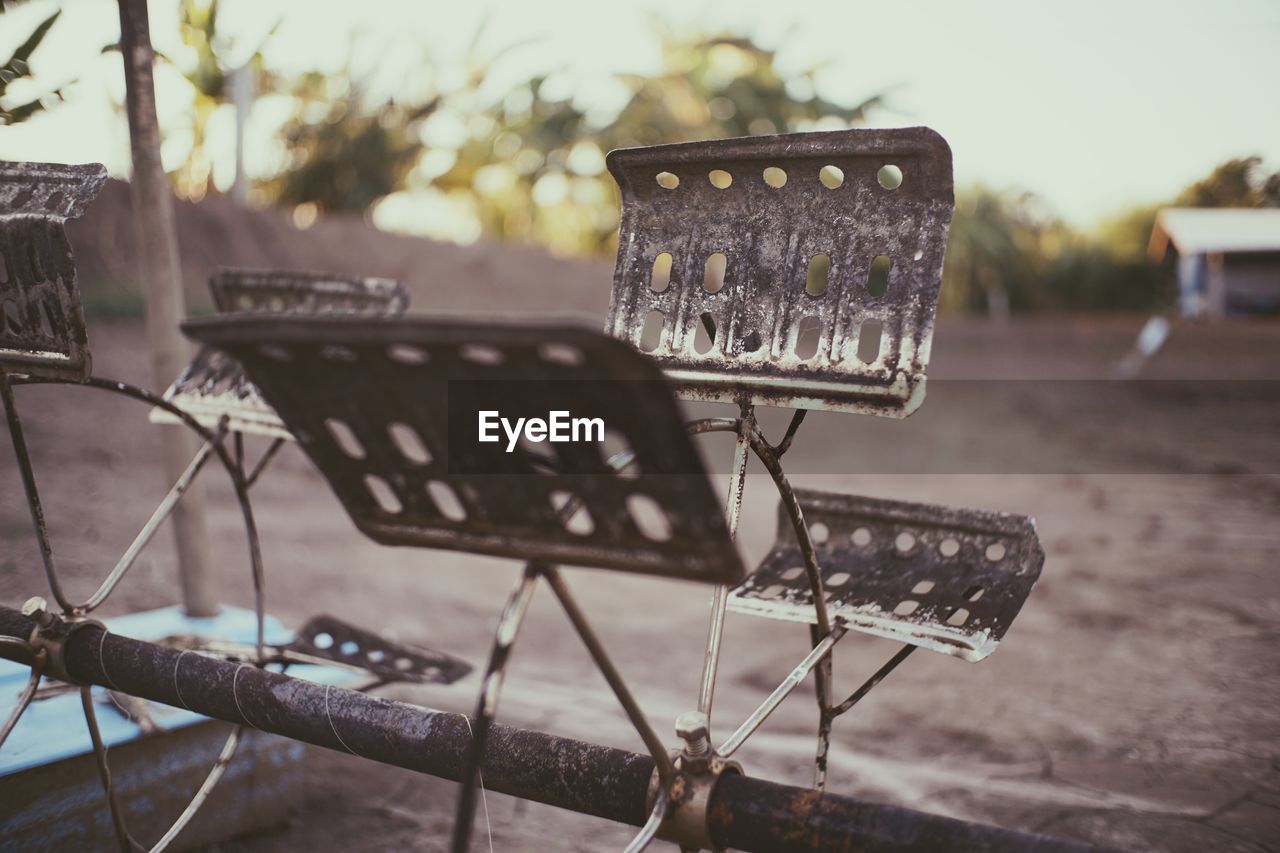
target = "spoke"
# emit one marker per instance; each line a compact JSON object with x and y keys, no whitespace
{"x":651,"y":740}
{"x":650,"y":828}
{"x":263,"y":462}
{"x":781,"y":692}
{"x":19,"y":440}
{"x":148,"y":532}
{"x":206,"y":787}
{"x":870,"y":683}
{"x":487,"y":706}
{"x":720,"y":597}
{"x":126,"y":841}
{"x":28,"y":693}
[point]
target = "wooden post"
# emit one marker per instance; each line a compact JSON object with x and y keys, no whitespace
{"x":162,"y":286}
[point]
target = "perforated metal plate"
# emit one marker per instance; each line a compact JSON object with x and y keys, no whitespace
{"x":369,"y":403}
{"x":214,"y":384}
{"x":332,"y":639}
{"x":42,"y":331}
{"x":786,"y":335}
{"x":950,"y":580}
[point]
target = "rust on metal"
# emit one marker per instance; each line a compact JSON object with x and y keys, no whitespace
{"x":799,"y":270}
{"x":214,"y":385}
{"x":949,"y":580}
{"x":42,"y":330}
{"x":346,"y":387}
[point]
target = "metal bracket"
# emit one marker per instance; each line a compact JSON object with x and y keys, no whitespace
{"x":698,"y":770}
{"x":49,"y":637}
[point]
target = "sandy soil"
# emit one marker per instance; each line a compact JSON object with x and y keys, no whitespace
{"x":1133,"y":702}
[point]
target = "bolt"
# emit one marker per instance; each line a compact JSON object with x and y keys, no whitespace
{"x":37,"y":607}
{"x":693,"y":728}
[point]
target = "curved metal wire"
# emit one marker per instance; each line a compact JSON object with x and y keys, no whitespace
{"x":213,"y":444}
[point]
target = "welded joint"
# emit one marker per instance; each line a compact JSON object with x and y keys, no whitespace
{"x":698,"y":768}
{"x":49,"y":637}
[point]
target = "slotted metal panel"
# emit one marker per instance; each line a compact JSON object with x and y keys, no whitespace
{"x":42,"y":331}
{"x":214,"y":385}
{"x":774,"y":210}
{"x":369,"y":402}
{"x":950,"y":580}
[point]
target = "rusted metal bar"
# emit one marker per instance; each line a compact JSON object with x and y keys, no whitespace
{"x":745,"y":813}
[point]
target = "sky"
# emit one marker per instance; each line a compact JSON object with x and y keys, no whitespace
{"x":1094,"y":106}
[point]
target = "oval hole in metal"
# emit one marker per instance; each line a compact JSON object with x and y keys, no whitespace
{"x":775,"y":177}
{"x":832,"y":177}
{"x":580,"y":523}
{"x":446,"y":500}
{"x":382,"y":494}
{"x":651,"y":332}
{"x":345,"y":437}
{"x":819,"y":268}
{"x":713,"y":272}
{"x":489,"y":356}
{"x":660,"y":276}
{"x":650,"y":518}
{"x":667,"y":181}
{"x":407,"y":354}
{"x":869,"y":341}
{"x":808,"y":336}
{"x":704,"y":337}
{"x":878,"y":275}
{"x":409,"y":443}
{"x":889,"y":176}
{"x":720,"y":179}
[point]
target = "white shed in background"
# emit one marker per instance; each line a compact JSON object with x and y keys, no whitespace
{"x":1228,"y":259}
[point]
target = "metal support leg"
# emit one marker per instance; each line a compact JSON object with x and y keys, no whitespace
{"x":19,"y":440}
{"x":487,"y":706}
{"x":720,"y":598}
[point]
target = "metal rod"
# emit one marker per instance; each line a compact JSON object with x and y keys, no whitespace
{"x":144,"y":537}
{"x":870,"y":683}
{"x":720,"y":597}
{"x":263,"y":461}
{"x":782,"y":691}
{"x":745,"y":813}
{"x":125,"y":840}
{"x":651,"y":826}
{"x":487,"y":705}
{"x":18,"y":437}
{"x":657,"y":749}
{"x":206,"y":787}
{"x":24,"y":699}
{"x":822,"y":681}
{"x":796,"y":419}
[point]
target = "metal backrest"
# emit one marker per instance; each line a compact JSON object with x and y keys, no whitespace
{"x":42,"y":331}
{"x":214,"y":385}
{"x":237,"y":291}
{"x":370,"y":403}
{"x":831,"y":246}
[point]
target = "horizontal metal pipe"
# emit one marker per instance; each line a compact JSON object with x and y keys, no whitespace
{"x":745,"y":813}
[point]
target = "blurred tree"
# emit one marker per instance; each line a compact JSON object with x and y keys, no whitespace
{"x":18,"y":67}
{"x":1235,"y":183}
{"x":536,"y":172}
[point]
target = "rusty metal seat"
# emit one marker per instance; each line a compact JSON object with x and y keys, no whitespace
{"x":387,"y":410}
{"x":949,"y":580}
{"x":831,"y":247}
{"x":214,"y":385}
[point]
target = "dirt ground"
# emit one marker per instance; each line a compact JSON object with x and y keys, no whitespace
{"x":1134,"y":701}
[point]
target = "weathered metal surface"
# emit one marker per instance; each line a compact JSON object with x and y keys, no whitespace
{"x":744,"y":813}
{"x":784,"y":332}
{"x":346,"y":388}
{"x":950,"y":580}
{"x":214,"y":384}
{"x":42,"y":331}
{"x":332,"y":639}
